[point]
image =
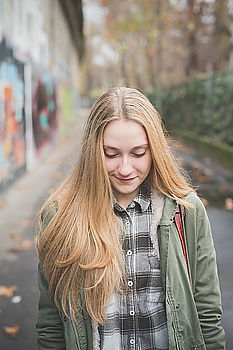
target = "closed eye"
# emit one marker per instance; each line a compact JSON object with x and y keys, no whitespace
{"x":138,"y":155}
{"x":110,"y":155}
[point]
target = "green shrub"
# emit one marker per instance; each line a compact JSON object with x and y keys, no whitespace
{"x":203,"y":106}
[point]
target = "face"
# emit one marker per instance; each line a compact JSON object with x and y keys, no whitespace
{"x":127,"y":158}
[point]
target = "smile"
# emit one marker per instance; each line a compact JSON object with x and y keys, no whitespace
{"x":125,"y":180}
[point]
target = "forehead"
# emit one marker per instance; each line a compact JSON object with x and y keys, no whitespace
{"x":123,"y":133}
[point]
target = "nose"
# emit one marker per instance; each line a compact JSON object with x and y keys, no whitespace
{"x":125,"y":167}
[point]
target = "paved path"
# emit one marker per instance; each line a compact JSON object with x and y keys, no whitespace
{"x":19,"y":207}
{"x":222,"y":224}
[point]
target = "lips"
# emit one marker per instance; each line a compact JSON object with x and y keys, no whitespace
{"x":125,"y":180}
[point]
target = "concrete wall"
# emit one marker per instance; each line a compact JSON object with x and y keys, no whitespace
{"x":39,"y":82}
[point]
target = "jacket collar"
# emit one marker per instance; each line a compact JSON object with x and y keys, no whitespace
{"x":169,"y":210}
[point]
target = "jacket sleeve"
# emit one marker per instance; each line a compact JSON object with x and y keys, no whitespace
{"x":49,"y":324}
{"x":206,"y":284}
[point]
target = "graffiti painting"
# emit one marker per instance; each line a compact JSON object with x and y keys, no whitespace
{"x":44,"y":111}
{"x":12,"y":116}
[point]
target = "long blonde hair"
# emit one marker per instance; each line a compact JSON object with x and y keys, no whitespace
{"x":80,"y":249}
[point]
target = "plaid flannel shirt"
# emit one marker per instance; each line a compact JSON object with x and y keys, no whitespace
{"x":136,"y":320}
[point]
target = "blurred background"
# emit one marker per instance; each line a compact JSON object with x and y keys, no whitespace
{"x":56,"y":58}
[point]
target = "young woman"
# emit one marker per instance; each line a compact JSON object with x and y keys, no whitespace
{"x":126,"y":253}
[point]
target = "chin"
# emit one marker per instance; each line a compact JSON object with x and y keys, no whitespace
{"x":126,"y":190}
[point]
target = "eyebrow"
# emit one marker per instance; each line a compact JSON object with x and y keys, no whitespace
{"x":132,"y":149}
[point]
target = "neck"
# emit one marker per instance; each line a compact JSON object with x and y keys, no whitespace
{"x":125,"y":199}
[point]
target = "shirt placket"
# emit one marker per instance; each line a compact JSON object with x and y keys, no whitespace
{"x":130,"y":262}
{"x":127,"y":328}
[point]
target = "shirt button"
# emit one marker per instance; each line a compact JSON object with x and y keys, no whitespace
{"x":132,"y":341}
{"x":132,"y":205}
{"x":129,"y":252}
{"x":130,"y":283}
{"x":127,"y":223}
{"x":132,"y":313}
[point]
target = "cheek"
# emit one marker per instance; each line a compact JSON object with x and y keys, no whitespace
{"x":144,"y":165}
{"x":111,"y":164}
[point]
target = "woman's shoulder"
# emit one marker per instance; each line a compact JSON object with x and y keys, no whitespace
{"x":193,"y":198}
{"x":190,"y":200}
{"x":198,"y":211}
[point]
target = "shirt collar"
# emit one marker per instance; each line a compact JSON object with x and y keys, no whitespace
{"x":143,"y":198}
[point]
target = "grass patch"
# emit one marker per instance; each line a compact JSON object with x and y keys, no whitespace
{"x":219,"y":152}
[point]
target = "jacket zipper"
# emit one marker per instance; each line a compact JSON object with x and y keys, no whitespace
{"x":76,"y":335}
{"x":174,"y":330}
{"x":175,"y":336}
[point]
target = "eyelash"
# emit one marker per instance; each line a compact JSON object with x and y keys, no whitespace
{"x":137,"y":155}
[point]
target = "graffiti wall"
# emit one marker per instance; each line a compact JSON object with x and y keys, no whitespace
{"x":44,"y":110}
{"x":12,"y":116}
{"x":39,"y":83}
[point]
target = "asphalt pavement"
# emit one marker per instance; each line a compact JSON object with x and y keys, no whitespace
{"x":19,"y":206}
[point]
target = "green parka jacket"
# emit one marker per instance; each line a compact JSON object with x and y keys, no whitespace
{"x":193,"y":305}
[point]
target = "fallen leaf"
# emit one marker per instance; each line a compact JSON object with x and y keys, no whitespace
{"x":24,"y":245}
{"x":182,"y":147}
{"x":26,"y":222}
{"x":10,"y":225}
{"x":223,"y":187}
{"x":205,"y":202}
{"x":14,"y":236}
{"x":57,"y":161}
{"x":179,"y":145}
{"x":229,"y":203}
{"x":2,"y":204}
{"x":208,"y":171}
{"x":57,"y":175}
{"x":20,"y":186}
{"x":7,"y":291}
{"x":201,"y":177}
{"x":12,"y":331}
{"x":196,"y":164}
